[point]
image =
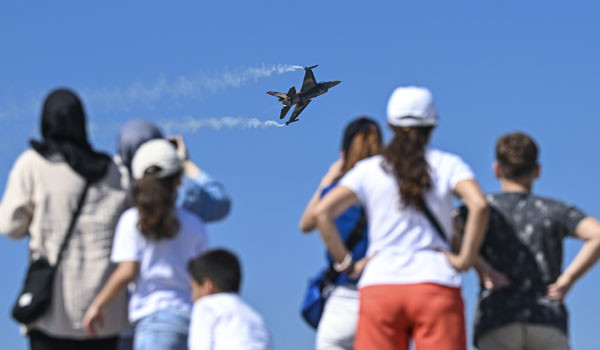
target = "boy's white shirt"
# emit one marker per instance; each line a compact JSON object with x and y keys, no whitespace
{"x":223,"y":321}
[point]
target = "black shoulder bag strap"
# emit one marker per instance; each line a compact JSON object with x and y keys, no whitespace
{"x":36,"y":294}
{"x":76,"y":213}
{"x":355,"y":236}
{"x":438,"y":228}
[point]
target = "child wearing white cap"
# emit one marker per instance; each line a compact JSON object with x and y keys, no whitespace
{"x":410,"y":283}
{"x":153,"y":243}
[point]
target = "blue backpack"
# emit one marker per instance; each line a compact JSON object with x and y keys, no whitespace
{"x":321,"y":285}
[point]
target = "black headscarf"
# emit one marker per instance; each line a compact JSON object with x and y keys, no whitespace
{"x":63,"y":131}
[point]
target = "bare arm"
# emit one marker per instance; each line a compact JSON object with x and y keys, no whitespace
{"x":308,"y":222}
{"x":475,"y":226}
{"x":588,"y":230}
{"x":329,"y":208}
{"x":489,"y":277}
{"x":125,"y":273}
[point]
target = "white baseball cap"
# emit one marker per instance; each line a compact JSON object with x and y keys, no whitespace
{"x":159,"y":153}
{"x":411,"y":106}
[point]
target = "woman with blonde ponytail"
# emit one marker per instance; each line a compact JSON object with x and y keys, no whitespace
{"x":410,"y":281}
{"x":361,"y":139}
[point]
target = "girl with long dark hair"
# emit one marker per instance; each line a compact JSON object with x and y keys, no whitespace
{"x":361,"y":139}
{"x":410,"y":283}
{"x":153,"y":243}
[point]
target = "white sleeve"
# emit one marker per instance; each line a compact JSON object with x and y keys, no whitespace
{"x":460,"y":172}
{"x":127,"y":244}
{"x":16,"y":207}
{"x":354,"y":180}
{"x":200,"y":335}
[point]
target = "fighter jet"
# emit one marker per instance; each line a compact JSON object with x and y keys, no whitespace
{"x":310,"y":89}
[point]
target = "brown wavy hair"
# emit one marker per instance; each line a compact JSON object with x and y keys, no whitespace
{"x":155,"y":200}
{"x":365,"y":143}
{"x":405,"y":158}
{"x":517,"y":155}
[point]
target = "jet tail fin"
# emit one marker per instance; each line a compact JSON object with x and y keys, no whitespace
{"x":292,"y":91}
{"x":307,"y":68}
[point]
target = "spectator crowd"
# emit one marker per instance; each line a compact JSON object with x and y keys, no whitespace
{"x":120,"y":257}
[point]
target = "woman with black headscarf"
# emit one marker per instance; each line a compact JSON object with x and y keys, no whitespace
{"x":41,"y":196}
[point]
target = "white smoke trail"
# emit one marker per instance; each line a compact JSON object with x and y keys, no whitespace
{"x":239,"y":78}
{"x":193,"y":124}
{"x":116,"y":97}
{"x":145,"y":94}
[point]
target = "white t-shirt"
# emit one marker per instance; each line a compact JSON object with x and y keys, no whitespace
{"x":163,"y":280}
{"x":404,"y":241}
{"x":223,"y":321}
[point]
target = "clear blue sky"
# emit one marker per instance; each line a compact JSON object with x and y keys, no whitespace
{"x":494,"y":66}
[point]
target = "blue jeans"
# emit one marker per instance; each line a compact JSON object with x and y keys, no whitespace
{"x":162,"y":330}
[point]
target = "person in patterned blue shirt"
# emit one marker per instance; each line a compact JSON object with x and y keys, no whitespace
{"x":522,"y":283}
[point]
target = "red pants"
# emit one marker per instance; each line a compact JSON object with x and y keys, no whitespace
{"x":431,"y":314}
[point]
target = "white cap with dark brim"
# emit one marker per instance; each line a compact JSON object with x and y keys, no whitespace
{"x":158,"y":153}
{"x":411,"y":106}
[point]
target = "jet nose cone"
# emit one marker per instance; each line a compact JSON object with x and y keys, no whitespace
{"x":334,"y":83}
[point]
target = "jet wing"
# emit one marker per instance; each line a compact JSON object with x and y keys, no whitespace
{"x":284,"y":111}
{"x":277,"y":94}
{"x":299,"y":108}
{"x":309,"y":80}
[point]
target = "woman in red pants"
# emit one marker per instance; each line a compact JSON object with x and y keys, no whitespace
{"x":410,"y":286}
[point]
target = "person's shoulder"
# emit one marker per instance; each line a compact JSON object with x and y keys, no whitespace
{"x":493,"y":197}
{"x":243,"y":310}
{"x":376,"y":159}
{"x":545,"y":199}
{"x":29,"y":158}
{"x":131,"y":214}
{"x":188,"y":218}
{"x":218,"y":304}
{"x":438,"y":155}
{"x":30,"y":154}
{"x":554,"y":205}
{"x":368,"y":163}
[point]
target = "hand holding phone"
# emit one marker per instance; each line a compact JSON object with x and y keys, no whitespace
{"x":180,"y":145}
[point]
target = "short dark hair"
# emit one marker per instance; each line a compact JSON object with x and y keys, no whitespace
{"x":517,"y":155}
{"x":220,"y":266}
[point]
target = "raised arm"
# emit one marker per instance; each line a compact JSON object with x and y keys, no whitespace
{"x":330,"y":207}
{"x":475,"y":225}
{"x":200,"y":193}
{"x":588,"y":230}
{"x":308,"y":222}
